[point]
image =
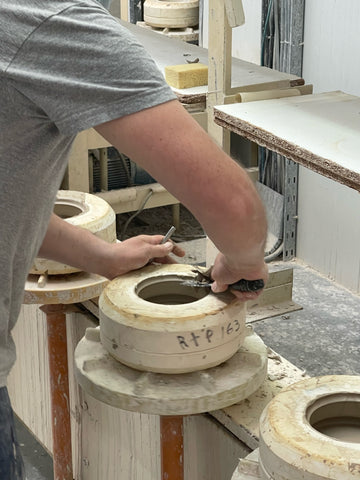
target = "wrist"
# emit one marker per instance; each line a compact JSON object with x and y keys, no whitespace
{"x":109,"y":262}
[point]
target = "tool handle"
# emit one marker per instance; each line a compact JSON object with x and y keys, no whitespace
{"x":248,"y":285}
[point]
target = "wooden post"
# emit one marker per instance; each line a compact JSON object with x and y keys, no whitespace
{"x":59,"y":390}
{"x":172,"y":447}
{"x":219,"y":62}
{"x":124,"y":10}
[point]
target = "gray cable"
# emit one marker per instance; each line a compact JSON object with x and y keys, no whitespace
{"x":275,"y":254}
{"x":141,"y":208}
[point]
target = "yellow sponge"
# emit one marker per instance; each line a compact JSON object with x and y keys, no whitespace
{"x":186,"y":76}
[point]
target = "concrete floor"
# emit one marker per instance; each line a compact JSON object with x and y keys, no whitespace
{"x":323,"y":338}
{"x":38,"y":463}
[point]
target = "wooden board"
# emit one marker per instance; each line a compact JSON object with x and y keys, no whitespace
{"x":169,"y":51}
{"x":321,"y":132}
{"x":242,"y":419}
{"x":29,"y":379}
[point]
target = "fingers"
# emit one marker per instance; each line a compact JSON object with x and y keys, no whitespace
{"x":224,"y":275}
{"x":136,"y":252}
{"x":150,"y":239}
{"x":244,"y":296}
{"x":178,"y":251}
{"x":161,"y":251}
{"x":157,"y":239}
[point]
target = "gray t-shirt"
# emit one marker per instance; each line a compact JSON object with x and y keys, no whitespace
{"x":65,"y":66}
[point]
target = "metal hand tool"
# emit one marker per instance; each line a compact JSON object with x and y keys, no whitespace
{"x":164,"y":240}
{"x":204,"y":279}
{"x":168,"y":235}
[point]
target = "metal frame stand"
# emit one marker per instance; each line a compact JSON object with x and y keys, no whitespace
{"x":282,"y":49}
{"x":290,"y":209}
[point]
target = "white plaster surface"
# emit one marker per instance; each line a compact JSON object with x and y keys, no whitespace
{"x":113,"y":383}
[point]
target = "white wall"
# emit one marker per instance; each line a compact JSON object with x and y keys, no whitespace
{"x":329,"y":213}
{"x":332,"y":45}
{"x":247,"y":38}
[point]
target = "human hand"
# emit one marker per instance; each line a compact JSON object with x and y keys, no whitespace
{"x":136,"y":252}
{"x":225,"y":274}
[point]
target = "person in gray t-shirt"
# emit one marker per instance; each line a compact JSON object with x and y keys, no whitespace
{"x":66,"y":66}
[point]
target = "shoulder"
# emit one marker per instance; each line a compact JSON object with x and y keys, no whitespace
{"x":21,"y":19}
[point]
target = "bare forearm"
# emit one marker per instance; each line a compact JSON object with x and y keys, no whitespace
{"x":80,"y":248}
{"x":181,"y":156}
{"x":72,"y":245}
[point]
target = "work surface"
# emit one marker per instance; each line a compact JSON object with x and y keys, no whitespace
{"x":321,"y":132}
{"x":169,"y":51}
{"x":321,"y":339}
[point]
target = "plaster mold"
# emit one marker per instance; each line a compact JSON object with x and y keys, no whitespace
{"x":83,"y":210}
{"x":309,"y":431}
{"x":151,"y":322}
{"x":171,"y":13}
{"x":64,"y":289}
{"x":112,"y":382}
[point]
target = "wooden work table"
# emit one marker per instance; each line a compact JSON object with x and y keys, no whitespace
{"x":320,"y":131}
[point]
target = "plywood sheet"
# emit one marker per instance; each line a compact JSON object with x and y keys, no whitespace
{"x":29,"y":380}
{"x":321,"y":132}
{"x":169,"y":51}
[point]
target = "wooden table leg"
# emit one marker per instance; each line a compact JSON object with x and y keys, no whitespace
{"x":59,"y":385}
{"x":172,"y":447}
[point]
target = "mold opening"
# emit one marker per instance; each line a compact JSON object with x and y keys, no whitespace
{"x":337,"y":416}
{"x":168,"y":290}
{"x":67,"y":210}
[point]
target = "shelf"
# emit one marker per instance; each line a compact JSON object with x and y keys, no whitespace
{"x":245,"y":75}
{"x":320,"y":131}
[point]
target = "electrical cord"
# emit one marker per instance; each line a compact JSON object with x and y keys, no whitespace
{"x":141,"y":208}
{"x":275,"y":254}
